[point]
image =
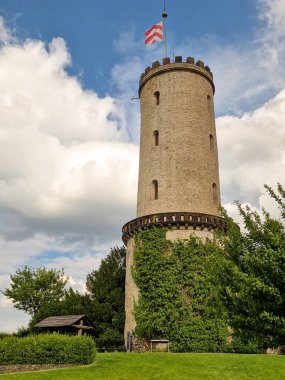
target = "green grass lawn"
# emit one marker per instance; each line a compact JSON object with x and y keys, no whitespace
{"x":121,"y":366}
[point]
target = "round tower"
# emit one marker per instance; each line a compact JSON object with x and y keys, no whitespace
{"x":178,"y":183}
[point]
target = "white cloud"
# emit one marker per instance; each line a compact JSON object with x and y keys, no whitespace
{"x":6,"y":36}
{"x":273,"y":13}
{"x":63,"y":150}
{"x":68,"y":169}
{"x":15,"y":253}
{"x":127,"y":41}
{"x":13,"y":319}
{"x":252,"y":151}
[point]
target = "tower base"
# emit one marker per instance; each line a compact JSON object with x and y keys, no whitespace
{"x":180,"y":226}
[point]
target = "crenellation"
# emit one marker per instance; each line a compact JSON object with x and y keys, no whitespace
{"x":155,"y":64}
{"x":178,"y":59}
{"x":158,"y":67}
{"x":190,"y":60}
{"x":166,"y":61}
{"x":147,"y":70}
{"x":200,"y":63}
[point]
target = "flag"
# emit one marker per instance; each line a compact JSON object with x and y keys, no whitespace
{"x":154,"y":34}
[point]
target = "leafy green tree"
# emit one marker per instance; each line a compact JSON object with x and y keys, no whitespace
{"x":31,"y":289}
{"x":72,"y":303}
{"x":191,"y":290}
{"x":254,"y":276}
{"x":107,"y":291}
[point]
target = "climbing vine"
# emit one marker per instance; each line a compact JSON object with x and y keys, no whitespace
{"x":179,"y":292}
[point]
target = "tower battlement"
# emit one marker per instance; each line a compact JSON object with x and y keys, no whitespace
{"x":166,"y":65}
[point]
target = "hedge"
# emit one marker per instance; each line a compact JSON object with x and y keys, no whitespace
{"x":47,"y":349}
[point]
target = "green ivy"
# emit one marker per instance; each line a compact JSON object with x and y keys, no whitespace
{"x":179,"y":290}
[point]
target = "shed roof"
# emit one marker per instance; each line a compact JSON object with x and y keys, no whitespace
{"x":60,"y":321}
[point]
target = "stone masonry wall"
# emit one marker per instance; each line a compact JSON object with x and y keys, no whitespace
{"x":185,"y":162}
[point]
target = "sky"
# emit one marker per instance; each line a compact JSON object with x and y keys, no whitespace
{"x":69,"y":131}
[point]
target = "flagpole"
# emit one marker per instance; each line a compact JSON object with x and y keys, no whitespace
{"x":164,"y":16}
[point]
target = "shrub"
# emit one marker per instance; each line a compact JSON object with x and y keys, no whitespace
{"x":110,"y":338}
{"x":23,"y":332}
{"x":47,"y":349}
{"x":252,"y":346}
{"x":4,"y":335}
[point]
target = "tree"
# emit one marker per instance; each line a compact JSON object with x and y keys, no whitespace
{"x":190,"y":291}
{"x":107,"y":291}
{"x":31,"y":289}
{"x":254,"y":275}
{"x":72,"y":303}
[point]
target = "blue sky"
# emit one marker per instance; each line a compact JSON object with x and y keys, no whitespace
{"x":69,"y":133}
{"x":90,"y":27}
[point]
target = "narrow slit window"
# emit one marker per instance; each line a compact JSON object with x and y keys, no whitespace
{"x":211,"y":142}
{"x":215,"y":193}
{"x":155,"y":188}
{"x":156,"y":137}
{"x":209,"y":103}
{"x":157,"y":97}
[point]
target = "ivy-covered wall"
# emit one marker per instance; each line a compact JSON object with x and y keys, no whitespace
{"x":179,"y":288}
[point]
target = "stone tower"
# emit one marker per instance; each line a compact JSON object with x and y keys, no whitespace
{"x":178,"y":183}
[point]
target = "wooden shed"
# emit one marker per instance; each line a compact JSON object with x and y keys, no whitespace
{"x":70,"y":324}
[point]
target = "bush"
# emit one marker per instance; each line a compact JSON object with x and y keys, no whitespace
{"x":246,"y":347}
{"x":22,"y":332}
{"x":47,"y":349}
{"x":110,"y":338}
{"x":4,"y":335}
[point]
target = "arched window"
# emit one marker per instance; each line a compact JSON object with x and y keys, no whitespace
{"x":156,"y":137}
{"x":157,"y":97}
{"x":211,"y":142}
{"x":155,"y":189}
{"x":215,"y":193}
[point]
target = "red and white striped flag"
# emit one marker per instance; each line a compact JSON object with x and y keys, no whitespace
{"x":154,"y":34}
